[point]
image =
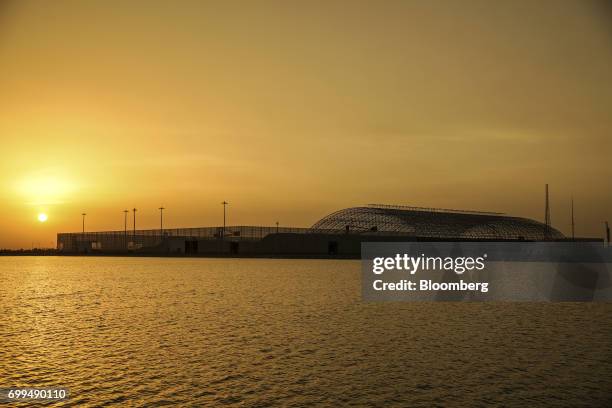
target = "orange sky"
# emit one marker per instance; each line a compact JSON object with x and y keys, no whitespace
{"x":292,"y":110}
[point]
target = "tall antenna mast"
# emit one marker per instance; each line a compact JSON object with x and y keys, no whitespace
{"x":547,"y":209}
{"x":573,"y":235}
{"x":547,"y":213}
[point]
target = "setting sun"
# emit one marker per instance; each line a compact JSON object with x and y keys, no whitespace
{"x":42,"y":217}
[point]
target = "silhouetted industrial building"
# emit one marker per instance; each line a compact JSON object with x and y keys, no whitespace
{"x":338,"y":234}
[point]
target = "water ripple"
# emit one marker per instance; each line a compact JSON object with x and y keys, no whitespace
{"x":259,"y":333}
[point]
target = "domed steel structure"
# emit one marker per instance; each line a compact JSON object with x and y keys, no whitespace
{"x":436,"y":223}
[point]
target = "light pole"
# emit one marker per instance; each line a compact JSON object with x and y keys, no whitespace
{"x":134,"y":210}
{"x":161,"y":221}
{"x":224,"y":203}
{"x":83,"y":214}
{"x":125,"y":213}
{"x":277,"y":227}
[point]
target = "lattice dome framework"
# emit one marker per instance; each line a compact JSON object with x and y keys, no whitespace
{"x":437,"y":223}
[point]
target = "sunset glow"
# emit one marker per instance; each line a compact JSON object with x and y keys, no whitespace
{"x":292,"y":111}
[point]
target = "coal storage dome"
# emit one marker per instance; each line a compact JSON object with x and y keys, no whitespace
{"x":436,"y":223}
